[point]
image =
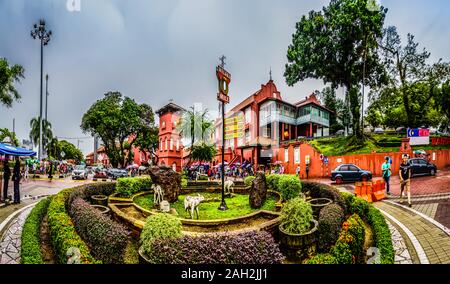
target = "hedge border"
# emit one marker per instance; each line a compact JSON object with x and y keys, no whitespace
{"x":30,"y":252}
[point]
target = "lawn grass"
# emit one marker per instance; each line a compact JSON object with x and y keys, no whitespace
{"x":238,"y":205}
{"x":341,"y":145}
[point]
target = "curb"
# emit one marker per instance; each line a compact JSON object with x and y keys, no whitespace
{"x":13,"y":215}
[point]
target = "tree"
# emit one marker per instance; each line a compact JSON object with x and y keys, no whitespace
{"x":203,"y":152}
{"x":339,"y":45}
{"x":8,"y":76}
{"x":410,"y":77}
{"x":374,"y":117}
{"x":330,"y":101}
{"x":442,"y":103}
{"x":47,"y":133}
{"x":71,"y":152}
{"x":147,"y":140}
{"x":54,"y":149}
{"x":11,"y":136}
{"x":116,"y":120}
{"x":195,"y":125}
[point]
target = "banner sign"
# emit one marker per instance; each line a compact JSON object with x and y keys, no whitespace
{"x":234,"y":127}
{"x":418,"y":136}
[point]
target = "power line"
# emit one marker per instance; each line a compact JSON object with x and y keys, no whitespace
{"x":75,"y":138}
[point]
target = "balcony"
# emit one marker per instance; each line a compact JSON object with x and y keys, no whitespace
{"x":314,"y":119}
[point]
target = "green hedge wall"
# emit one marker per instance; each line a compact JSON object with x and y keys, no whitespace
{"x":30,"y":252}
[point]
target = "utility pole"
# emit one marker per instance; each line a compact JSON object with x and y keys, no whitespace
{"x":95,"y":148}
{"x":40,"y":32}
{"x":46,"y":96}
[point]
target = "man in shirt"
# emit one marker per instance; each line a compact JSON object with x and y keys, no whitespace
{"x":386,"y":168}
{"x":405,"y":178}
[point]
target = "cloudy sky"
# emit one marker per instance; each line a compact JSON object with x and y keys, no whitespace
{"x":154,"y":51}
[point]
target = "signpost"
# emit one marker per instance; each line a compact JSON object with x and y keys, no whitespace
{"x":224,"y":79}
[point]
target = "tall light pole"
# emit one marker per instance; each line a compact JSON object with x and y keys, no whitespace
{"x":46,"y":96}
{"x":40,"y":32}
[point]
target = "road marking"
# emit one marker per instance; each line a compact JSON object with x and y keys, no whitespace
{"x":417,"y":246}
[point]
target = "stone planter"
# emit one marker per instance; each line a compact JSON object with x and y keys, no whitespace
{"x":99,"y":200}
{"x":142,"y":258}
{"x":103,"y":209}
{"x":318,"y":203}
{"x":299,"y":246}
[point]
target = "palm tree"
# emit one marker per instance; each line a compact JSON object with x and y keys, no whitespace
{"x":47,"y":133}
{"x":54,"y":148}
{"x":11,"y":136}
{"x":9,"y":75}
{"x":195,"y":125}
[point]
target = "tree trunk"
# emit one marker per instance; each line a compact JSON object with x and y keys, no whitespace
{"x":355,"y":109}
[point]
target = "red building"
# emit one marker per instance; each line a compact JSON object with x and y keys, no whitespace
{"x":270,"y":122}
{"x":170,"y":152}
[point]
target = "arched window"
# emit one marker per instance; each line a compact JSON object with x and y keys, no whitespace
{"x":165,"y":146}
{"x":171,"y":144}
{"x":178,"y":144}
{"x":161,"y":146}
{"x":174,"y":166}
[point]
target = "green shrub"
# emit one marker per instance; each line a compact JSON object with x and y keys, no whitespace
{"x":319,"y":190}
{"x":322,"y":258}
{"x":249,"y":180}
{"x":184,"y":182}
{"x":289,"y":186}
{"x":62,"y":230}
{"x":348,"y":200}
{"x":330,"y":222}
{"x":341,"y":251}
{"x":30,"y":252}
{"x":128,"y":186}
{"x":159,"y":226}
{"x":296,"y":216}
{"x":381,"y":235}
{"x":272,"y":181}
{"x":360,"y":207}
{"x":357,"y":230}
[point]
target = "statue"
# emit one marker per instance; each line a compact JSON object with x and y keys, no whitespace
{"x":191,"y":204}
{"x":228,"y":187}
{"x":158,"y":194}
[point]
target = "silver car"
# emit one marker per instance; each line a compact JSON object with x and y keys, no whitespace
{"x":80,"y":172}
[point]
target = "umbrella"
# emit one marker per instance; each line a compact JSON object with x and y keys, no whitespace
{"x":142,"y":168}
{"x":420,"y":152}
{"x":132,"y":166}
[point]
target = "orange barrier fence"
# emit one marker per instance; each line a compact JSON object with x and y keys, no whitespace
{"x":370,"y":191}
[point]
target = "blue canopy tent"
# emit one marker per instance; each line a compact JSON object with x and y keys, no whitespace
{"x":15,"y":151}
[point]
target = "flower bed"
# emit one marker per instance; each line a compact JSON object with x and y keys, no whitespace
{"x":30,"y":252}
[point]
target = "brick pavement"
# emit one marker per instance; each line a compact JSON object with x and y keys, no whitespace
{"x":434,"y":241}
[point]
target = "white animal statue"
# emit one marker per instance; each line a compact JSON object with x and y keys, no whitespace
{"x":158,"y":194}
{"x":228,"y":186}
{"x":191,"y":204}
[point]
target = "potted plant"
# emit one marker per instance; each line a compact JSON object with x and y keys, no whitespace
{"x":298,"y":229}
{"x":99,"y":200}
{"x":318,"y":203}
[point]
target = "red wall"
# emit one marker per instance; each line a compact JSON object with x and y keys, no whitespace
{"x":371,"y":162}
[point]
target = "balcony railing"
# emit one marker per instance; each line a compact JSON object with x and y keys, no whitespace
{"x":314,"y":119}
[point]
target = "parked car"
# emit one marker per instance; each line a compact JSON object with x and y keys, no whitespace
{"x":378,"y":131}
{"x":79,"y":172}
{"x":117,"y":173}
{"x":350,"y":173}
{"x":100,"y":174}
{"x":340,"y":132}
{"x":400,"y":130}
{"x":421,"y":167}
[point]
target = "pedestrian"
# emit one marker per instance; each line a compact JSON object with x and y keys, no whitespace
{"x":16,"y":178}
{"x":405,"y":178}
{"x":27,"y":169}
{"x":6,"y":177}
{"x":297,"y":171}
{"x":307,"y":171}
{"x":386,"y":168}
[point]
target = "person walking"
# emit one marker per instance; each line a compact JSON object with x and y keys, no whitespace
{"x":6,"y":177}
{"x":307,"y":171}
{"x":16,"y":179}
{"x":386,"y":168}
{"x":297,"y":171}
{"x":405,"y":178}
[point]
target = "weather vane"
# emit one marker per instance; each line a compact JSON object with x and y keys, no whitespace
{"x":270,"y":73}
{"x":222,"y":61}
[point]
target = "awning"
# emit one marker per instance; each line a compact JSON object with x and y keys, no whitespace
{"x":15,"y":151}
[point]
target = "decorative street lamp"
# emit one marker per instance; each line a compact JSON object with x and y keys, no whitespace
{"x":40,"y":32}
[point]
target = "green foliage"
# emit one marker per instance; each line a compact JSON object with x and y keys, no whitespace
{"x":184,"y":182}
{"x":320,"y":190}
{"x":11,"y":136}
{"x":272,"y":181}
{"x":128,"y":186}
{"x":381,"y":235}
{"x":159,"y":226}
{"x":296,"y":216}
{"x":249,"y":180}
{"x":62,"y":230}
{"x":289,"y":186}
{"x":30,"y":252}
{"x":330,"y":221}
{"x":8,"y":76}
{"x":148,"y":140}
{"x":328,"y":45}
{"x":47,"y":133}
{"x":238,"y":206}
{"x":349,"y":247}
{"x":359,"y":206}
{"x":322,"y":258}
{"x":114,"y":119}
{"x":203,"y":152}
{"x":195,"y":126}
{"x":71,"y":152}
{"x":131,"y":254}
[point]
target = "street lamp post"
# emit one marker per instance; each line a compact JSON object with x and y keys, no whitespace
{"x":40,"y":32}
{"x":46,"y":96}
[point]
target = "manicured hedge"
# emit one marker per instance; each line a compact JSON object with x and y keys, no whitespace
{"x":159,"y":226}
{"x":272,"y":181}
{"x":62,"y":230}
{"x":106,"y":238}
{"x":319,"y":190}
{"x":381,"y":233}
{"x":128,"y":186}
{"x":330,"y":222}
{"x":30,"y":252}
{"x":322,"y":258}
{"x":349,"y":249}
{"x":245,"y":248}
{"x":289,"y":186}
{"x":249,"y":180}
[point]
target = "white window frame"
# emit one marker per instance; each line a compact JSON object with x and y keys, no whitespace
{"x":286,"y":155}
{"x":297,"y":155}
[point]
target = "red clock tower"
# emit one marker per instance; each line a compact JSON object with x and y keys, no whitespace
{"x":170,"y":150}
